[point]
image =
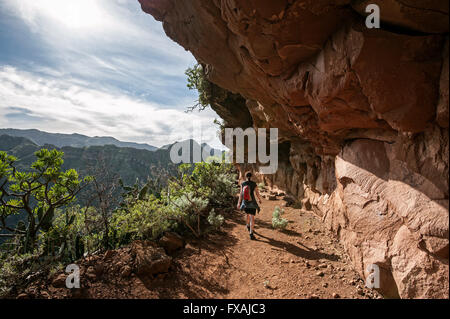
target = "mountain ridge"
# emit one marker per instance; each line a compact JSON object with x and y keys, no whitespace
{"x":75,"y":140}
{"x":130,"y":163}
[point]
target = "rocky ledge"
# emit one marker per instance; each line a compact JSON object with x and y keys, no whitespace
{"x":362,"y":117}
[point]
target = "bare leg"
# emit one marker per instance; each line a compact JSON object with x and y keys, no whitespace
{"x":252,"y":223}
{"x":248,"y":219}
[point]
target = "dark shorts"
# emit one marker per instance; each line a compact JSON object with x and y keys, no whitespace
{"x":251,"y":211}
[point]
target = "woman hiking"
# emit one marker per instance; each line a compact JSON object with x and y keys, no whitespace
{"x":247,"y":202}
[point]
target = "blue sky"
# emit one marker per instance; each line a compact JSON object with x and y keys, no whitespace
{"x":95,"y":67}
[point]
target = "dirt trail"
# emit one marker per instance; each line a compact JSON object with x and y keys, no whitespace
{"x":300,"y":262}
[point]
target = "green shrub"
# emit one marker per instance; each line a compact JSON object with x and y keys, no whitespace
{"x":189,"y":203}
{"x":197,"y":190}
{"x":208,"y":92}
{"x":214,"y":219}
{"x":277,"y":221}
{"x":75,"y":231}
{"x":215,"y":181}
{"x":18,"y":270}
{"x":143,"y":219}
{"x":37,"y":193}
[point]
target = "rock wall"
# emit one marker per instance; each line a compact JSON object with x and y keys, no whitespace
{"x":362,"y":116}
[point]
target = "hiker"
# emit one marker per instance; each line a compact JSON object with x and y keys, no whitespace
{"x":247,"y":202}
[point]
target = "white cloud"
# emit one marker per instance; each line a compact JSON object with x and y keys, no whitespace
{"x":75,"y":15}
{"x":106,"y":41}
{"x":64,"y":106}
{"x":69,"y":24}
{"x":108,"y":69}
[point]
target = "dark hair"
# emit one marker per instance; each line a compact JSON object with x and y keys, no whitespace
{"x":248,"y":175}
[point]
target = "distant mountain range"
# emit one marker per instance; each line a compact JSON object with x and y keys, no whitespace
{"x":129,"y":163}
{"x":130,"y":160}
{"x":74,"y":140}
{"x":42,"y":138}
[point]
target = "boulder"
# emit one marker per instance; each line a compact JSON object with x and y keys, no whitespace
{"x":59,"y":281}
{"x":149,"y":259}
{"x":171,"y":242}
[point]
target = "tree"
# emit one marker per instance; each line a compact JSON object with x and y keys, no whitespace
{"x":101,"y":197}
{"x":37,"y":194}
{"x":208,"y":92}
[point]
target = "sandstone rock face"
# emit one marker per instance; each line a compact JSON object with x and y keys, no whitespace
{"x":390,"y":220}
{"x":362,"y":117}
{"x":426,"y":16}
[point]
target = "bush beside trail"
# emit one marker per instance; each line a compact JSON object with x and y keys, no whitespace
{"x":58,"y":231}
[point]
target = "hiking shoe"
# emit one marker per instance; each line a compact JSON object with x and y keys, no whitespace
{"x":252,"y":237}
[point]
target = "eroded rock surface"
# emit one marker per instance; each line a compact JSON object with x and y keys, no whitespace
{"x":362,"y":117}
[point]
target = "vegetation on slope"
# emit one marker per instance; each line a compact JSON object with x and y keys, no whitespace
{"x":129,"y":163}
{"x":209,"y":94}
{"x":58,"y":231}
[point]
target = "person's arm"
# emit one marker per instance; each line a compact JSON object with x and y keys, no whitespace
{"x":240,"y":199}
{"x":258,"y":195}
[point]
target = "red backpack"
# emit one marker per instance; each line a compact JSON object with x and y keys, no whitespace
{"x":246,"y":193}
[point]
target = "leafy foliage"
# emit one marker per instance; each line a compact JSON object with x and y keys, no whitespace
{"x":214,"y":219}
{"x":277,"y":221}
{"x":138,"y":221}
{"x":197,"y":190}
{"x":209,"y":93}
{"x":128,"y":163}
{"x":37,"y":193}
{"x":59,"y":232}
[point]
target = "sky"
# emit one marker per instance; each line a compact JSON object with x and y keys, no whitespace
{"x":98,"y":68}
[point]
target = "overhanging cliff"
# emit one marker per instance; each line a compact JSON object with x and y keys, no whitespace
{"x":362,"y":116}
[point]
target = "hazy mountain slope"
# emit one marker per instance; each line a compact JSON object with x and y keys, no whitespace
{"x":129,"y":163}
{"x":74,"y":140}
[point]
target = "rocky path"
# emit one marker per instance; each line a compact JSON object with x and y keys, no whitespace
{"x":299,"y":262}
